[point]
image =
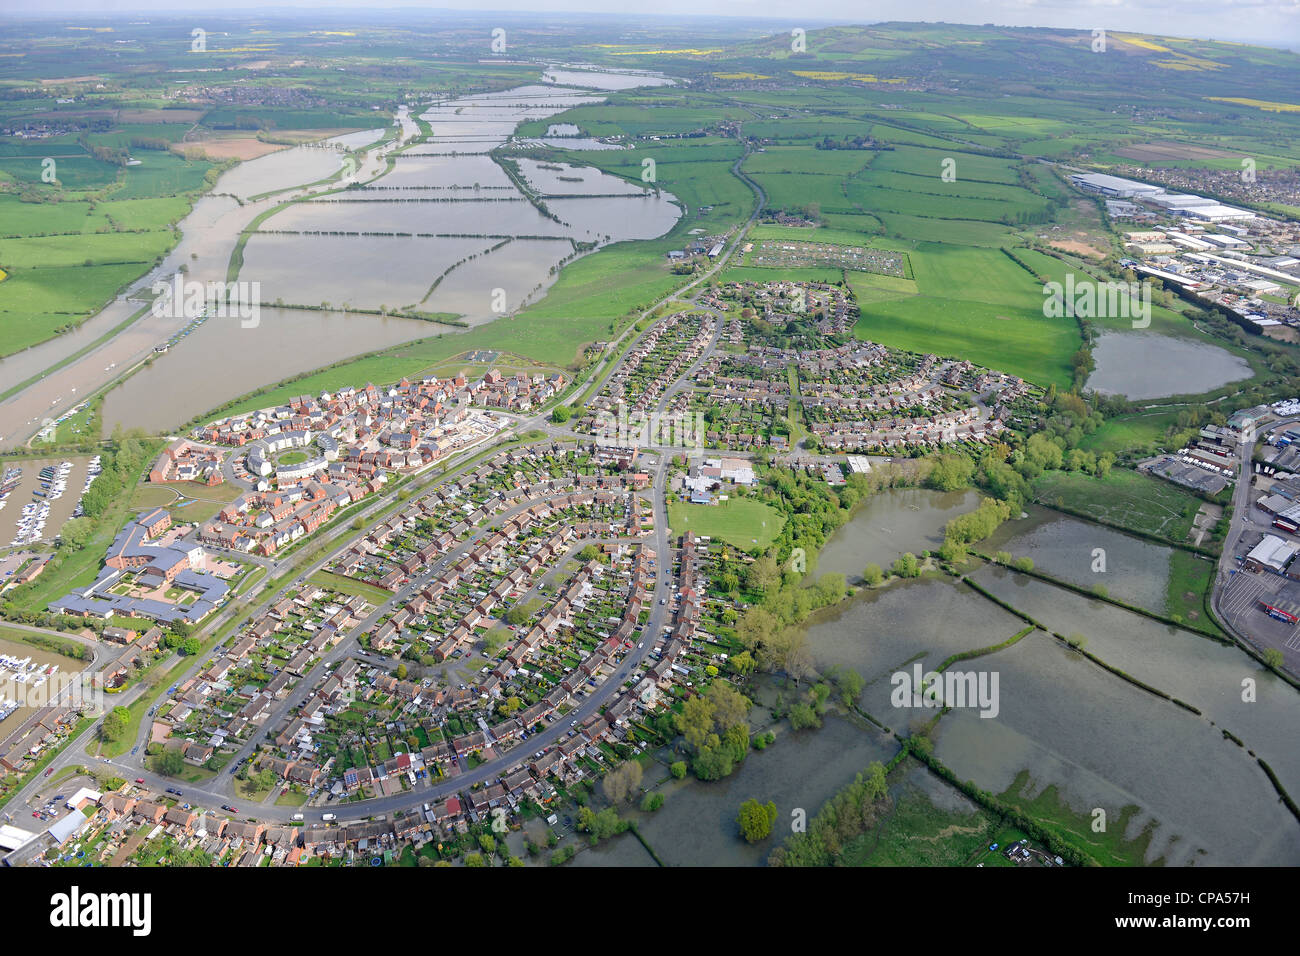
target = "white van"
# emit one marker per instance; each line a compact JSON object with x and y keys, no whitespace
{"x":328,"y":816}
{"x":297,"y":816}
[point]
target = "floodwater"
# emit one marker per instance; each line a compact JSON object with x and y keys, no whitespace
{"x":881,"y":632}
{"x":1130,"y":569}
{"x":599,"y":79}
{"x":365,"y":272}
{"x":564,"y":179}
{"x":10,"y":692}
{"x":210,"y":232}
{"x":293,"y":166}
{"x":24,"y":493}
{"x":571,"y":142}
{"x":453,"y":189}
{"x":802,"y":770}
{"x":1104,"y":743}
{"x":1150,"y":365}
{"x":374,"y":271}
{"x":890,"y":523}
{"x":220,"y":361}
{"x":1201,"y":672}
{"x":1101,"y":741}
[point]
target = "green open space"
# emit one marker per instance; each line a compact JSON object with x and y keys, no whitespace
{"x":743,"y":522}
{"x":1125,"y":498}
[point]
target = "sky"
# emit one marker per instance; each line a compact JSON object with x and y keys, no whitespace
{"x":1273,"y":22}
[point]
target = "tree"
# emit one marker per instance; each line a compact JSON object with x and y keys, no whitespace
{"x":756,"y":820}
{"x":872,"y":575}
{"x":742,"y":663}
{"x":401,"y":670}
{"x":561,"y":414}
{"x":115,"y":723}
{"x":77,"y":532}
{"x":803,"y":716}
{"x":1273,"y":658}
{"x":171,"y":763}
{"x":907,"y":566}
{"x":951,"y":472}
{"x":678,"y":769}
{"x":652,"y":802}
{"x":600,"y":825}
{"x":763,"y":574}
{"x":190,"y":646}
{"x":850,"y":684}
{"x":622,"y":782}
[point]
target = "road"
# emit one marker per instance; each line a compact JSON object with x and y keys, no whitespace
{"x":1244,"y":620}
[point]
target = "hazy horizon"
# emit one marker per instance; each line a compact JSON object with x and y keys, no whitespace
{"x":1274,"y":24}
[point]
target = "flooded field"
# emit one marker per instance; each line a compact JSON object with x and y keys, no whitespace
{"x":1132,"y":570}
{"x":221,"y":361}
{"x":890,"y":523}
{"x":1150,"y":365}
{"x":1201,"y":672}
{"x":289,"y":167}
{"x":697,"y":824}
{"x":1104,"y":743}
{"x":563,"y":178}
{"x":452,"y":189}
{"x":878,"y":633}
{"x":1063,"y":721}
{"x":209,"y":236}
{"x":365,"y":272}
{"x":599,"y":79}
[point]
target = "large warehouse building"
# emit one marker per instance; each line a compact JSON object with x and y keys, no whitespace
{"x":1113,"y":186}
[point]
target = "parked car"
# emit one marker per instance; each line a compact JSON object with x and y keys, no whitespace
{"x":139,"y":779}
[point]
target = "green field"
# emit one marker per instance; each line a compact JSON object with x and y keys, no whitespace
{"x":1190,"y":577}
{"x":336,"y":582}
{"x":744,"y":522}
{"x":976,"y":304}
{"x":1124,"y":498}
{"x":914,"y":832}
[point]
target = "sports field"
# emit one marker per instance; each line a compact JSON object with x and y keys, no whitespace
{"x":744,"y":522}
